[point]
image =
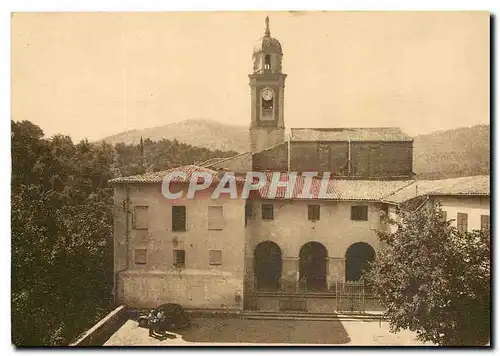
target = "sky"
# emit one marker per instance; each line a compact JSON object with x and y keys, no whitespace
{"x":97,"y":74}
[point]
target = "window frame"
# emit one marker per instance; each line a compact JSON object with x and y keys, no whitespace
{"x":313,"y":212}
{"x":174,"y":226}
{"x":220,"y":226}
{"x":488,"y":227}
{"x":460,"y":222}
{"x":135,"y":224}
{"x":271,"y":206}
{"x":384,"y":211}
{"x":145,"y":250}
{"x":210,"y":261}
{"x":176,"y":259}
{"x":353,"y":215}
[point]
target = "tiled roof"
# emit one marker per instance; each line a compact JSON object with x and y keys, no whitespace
{"x":211,"y":161}
{"x":337,"y":189}
{"x":368,"y":190}
{"x":475,"y":185}
{"x":157,"y":177}
{"x":225,"y":160}
{"x":388,"y":134}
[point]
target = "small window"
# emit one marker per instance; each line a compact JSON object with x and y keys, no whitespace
{"x":140,"y":218}
{"x":359,"y":212}
{"x":384,"y":211}
{"x":485,"y":222}
{"x":180,"y":258}
{"x":141,"y":255}
{"x":215,"y":257}
{"x":215,"y":218}
{"x":444,"y":215}
{"x":179,"y":218}
{"x":462,"y":222}
{"x":313,"y":212}
{"x":267,"y":212}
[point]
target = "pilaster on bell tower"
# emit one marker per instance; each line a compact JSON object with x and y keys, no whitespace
{"x":267,"y":83}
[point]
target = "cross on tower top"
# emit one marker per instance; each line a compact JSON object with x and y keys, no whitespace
{"x":268,"y":32}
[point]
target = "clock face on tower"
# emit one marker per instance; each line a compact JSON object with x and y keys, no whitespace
{"x":267,"y":94}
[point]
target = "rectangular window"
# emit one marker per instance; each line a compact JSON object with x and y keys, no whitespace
{"x":140,"y":218}
{"x":267,"y":212}
{"x":180,"y":258}
{"x":444,"y":215}
{"x":313,"y":212}
{"x":485,"y":222}
{"x":359,"y":212}
{"x":179,"y":218}
{"x":462,"y":222}
{"x":215,"y":218}
{"x":384,"y":212}
{"x":215,"y":257}
{"x":141,"y":256}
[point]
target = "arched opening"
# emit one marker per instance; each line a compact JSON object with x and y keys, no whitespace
{"x":357,"y":260}
{"x":267,"y":62}
{"x":267,"y":266}
{"x":312,"y":266}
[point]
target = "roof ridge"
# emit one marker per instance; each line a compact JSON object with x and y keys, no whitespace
{"x":345,"y":128}
{"x":397,"y":190}
{"x":228,"y":158}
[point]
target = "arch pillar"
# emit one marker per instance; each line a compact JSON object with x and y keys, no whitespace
{"x":249,"y":273}
{"x":336,"y":270}
{"x":290,"y":273}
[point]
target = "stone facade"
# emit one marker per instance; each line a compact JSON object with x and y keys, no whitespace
{"x":321,"y":239}
{"x":473,"y":206}
{"x":291,"y":230}
{"x":198,"y":284}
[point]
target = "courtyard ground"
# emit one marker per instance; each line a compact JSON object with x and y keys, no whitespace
{"x":229,"y":331}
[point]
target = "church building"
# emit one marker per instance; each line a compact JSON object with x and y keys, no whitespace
{"x":269,"y":253}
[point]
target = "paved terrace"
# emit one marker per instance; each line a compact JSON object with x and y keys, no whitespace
{"x":235,"y":331}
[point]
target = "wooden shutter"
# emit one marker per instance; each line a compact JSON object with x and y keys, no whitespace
{"x":215,"y":218}
{"x":140,"y":218}
{"x":215,"y":257}
{"x":141,"y":256}
{"x":179,"y":218}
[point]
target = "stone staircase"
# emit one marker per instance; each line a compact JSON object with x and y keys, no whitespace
{"x":273,"y":315}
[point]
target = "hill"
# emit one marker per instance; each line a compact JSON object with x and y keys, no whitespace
{"x":443,"y":154}
{"x":202,"y":133}
{"x":453,"y":153}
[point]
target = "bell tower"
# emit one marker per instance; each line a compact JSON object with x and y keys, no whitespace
{"x":267,"y":83}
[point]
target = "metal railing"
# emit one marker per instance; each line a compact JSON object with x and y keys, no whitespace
{"x":349,"y":296}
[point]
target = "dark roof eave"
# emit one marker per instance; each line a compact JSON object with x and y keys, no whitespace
{"x":316,"y":199}
{"x":458,"y":194}
{"x":155,"y":182}
{"x":344,"y":141}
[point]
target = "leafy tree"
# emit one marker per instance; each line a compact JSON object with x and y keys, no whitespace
{"x":433,"y":279}
{"x":61,"y":227}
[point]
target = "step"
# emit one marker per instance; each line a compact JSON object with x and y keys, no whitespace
{"x":308,"y":316}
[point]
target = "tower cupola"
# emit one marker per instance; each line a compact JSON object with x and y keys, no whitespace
{"x":267,"y":53}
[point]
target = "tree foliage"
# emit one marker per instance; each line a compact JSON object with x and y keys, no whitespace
{"x":61,"y":221}
{"x":433,"y":279}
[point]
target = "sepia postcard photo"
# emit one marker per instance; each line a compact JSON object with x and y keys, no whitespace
{"x":231,"y":178}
